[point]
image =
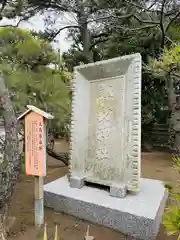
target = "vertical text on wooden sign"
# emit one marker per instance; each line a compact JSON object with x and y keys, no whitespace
{"x":35,"y":145}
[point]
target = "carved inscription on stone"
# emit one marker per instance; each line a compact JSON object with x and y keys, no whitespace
{"x":105,"y":154}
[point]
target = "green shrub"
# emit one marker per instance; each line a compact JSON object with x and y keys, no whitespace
{"x":172,"y":214}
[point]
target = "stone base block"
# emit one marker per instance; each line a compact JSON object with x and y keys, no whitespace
{"x":138,"y":215}
{"x":119,"y":191}
{"x":76,"y":182}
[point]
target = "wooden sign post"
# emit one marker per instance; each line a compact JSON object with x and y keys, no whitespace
{"x":35,"y":154}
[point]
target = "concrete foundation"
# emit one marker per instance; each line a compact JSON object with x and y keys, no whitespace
{"x":138,"y":215}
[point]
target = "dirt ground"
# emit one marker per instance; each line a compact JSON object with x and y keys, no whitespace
{"x":156,"y":165}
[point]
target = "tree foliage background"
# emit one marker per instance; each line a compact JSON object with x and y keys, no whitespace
{"x":106,"y":29}
{"x":98,"y":30}
{"x":26,"y":59}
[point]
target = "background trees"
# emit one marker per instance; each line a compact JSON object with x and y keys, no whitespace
{"x":99,"y":30}
{"x":33,"y":73}
{"x":168,"y":67}
{"x":106,"y":29}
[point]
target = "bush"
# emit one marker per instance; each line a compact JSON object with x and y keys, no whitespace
{"x":172,"y":213}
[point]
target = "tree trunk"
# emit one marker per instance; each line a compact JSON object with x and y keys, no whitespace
{"x":174,"y":107}
{"x":86,"y":43}
{"x":10,"y":167}
{"x":171,"y":105}
{"x":85,"y":33}
{"x":176,"y":127}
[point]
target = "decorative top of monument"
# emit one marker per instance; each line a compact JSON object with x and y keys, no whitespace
{"x":107,"y":68}
{"x":32,"y":108}
{"x":112,"y":60}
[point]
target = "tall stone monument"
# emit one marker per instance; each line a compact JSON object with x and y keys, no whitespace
{"x":106,"y":149}
{"x":106,"y":125}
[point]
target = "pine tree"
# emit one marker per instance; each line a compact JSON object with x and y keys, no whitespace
{"x":26,"y":78}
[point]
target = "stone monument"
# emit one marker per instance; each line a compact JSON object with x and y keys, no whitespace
{"x":106,"y":125}
{"x":106,"y":150}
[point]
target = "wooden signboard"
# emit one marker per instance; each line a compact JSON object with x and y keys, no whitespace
{"x":35,"y":143}
{"x":35,"y":154}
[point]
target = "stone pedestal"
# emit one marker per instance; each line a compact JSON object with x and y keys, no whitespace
{"x":137,"y":215}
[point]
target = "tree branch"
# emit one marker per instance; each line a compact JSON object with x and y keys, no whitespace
{"x":170,"y":13}
{"x":162,"y":25}
{"x":25,"y":17}
{"x":152,"y":5}
{"x":143,"y":8}
{"x":110,"y":16}
{"x":123,"y":17}
{"x":54,"y":6}
{"x":176,"y":75}
{"x":170,"y":40}
{"x":97,"y":42}
{"x":61,"y":29}
{"x":135,"y":29}
{"x":64,"y":157}
{"x":54,"y":35}
{"x":3,"y":6}
{"x":10,"y":25}
{"x":172,"y":20}
{"x":101,"y":37}
{"x":145,"y":21}
{"x":105,"y":34}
